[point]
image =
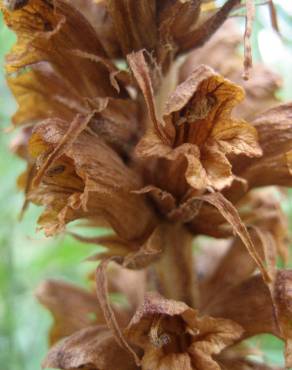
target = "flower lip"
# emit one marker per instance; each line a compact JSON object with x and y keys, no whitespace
{"x":170,"y":334}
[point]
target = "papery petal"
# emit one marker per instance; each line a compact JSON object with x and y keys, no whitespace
{"x":176,"y":18}
{"x":73,"y":308}
{"x":197,"y":124}
{"x":200,"y":109}
{"x":154,"y":304}
{"x":227,"y":273}
{"x":141,"y":73}
{"x":249,"y":304}
{"x":40,"y":94}
{"x":283,"y":302}
{"x":104,"y":183}
{"x":184,"y":164}
{"x":237,"y":137}
{"x":98,"y":15}
{"x":258,"y":309}
{"x":132,"y":284}
{"x":93,"y":348}
{"x":164,"y":200}
{"x":218,"y":168}
{"x":156,"y":359}
{"x":216,"y":335}
{"x":132,"y":34}
{"x":47,"y":32}
{"x":134,"y":254}
{"x":208,"y":336}
{"x":119,"y":125}
{"x":221,"y":53}
{"x":204,"y":80}
{"x":198,"y":36}
{"x":274,"y":130}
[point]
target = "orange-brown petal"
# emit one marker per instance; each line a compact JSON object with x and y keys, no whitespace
{"x":92,"y":348}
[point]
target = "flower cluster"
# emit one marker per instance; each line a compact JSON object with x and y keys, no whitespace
{"x":123,"y":125}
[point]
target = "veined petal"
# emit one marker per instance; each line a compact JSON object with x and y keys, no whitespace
{"x":275,"y":139}
{"x":47,"y":32}
{"x":73,"y":308}
{"x":257,"y":309}
{"x":197,"y":124}
{"x":93,"y":348}
{"x":41,"y":93}
{"x":97,"y":13}
{"x":237,"y":137}
{"x":167,"y":328}
{"x":134,"y":35}
{"x":100,"y":184}
{"x":221,"y":53}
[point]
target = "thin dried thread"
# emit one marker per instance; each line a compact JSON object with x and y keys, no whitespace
{"x":250,"y":15}
{"x":141,"y":73}
{"x":229,"y":212}
{"x":238,"y":10}
{"x":201,"y":35}
{"x":273,"y":16}
{"x":109,"y":315}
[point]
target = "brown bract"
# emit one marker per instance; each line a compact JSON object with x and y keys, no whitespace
{"x":79,"y":335}
{"x":72,"y":308}
{"x":165,"y":28}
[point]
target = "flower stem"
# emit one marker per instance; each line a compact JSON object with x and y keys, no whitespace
{"x":174,"y":272}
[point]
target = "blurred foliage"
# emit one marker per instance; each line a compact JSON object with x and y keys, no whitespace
{"x":27,"y":257}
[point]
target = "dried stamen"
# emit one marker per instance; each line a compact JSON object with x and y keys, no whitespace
{"x":199,"y":108}
{"x":158,"y":340}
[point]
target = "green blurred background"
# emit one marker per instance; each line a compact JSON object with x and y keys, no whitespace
{"x":27,"y":257}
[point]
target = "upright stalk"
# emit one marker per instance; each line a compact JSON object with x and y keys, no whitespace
{"x":174,"y":272}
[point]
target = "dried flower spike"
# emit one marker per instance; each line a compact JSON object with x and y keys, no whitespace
{"x":119,"y":133}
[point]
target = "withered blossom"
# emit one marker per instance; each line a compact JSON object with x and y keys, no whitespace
{"x":121,"y":128}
